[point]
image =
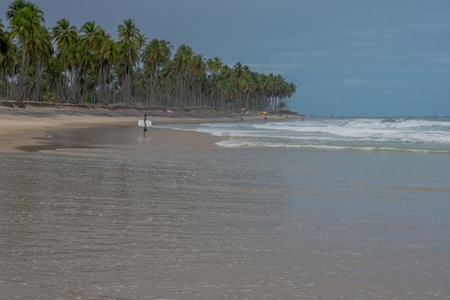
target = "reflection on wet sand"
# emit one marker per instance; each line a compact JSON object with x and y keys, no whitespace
{"x":125,"y":136}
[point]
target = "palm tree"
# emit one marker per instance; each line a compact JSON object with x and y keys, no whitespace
{"x":239,"y":71}
{"x":8,"y":64}
{"x":89,"y":34}
{"x":214,"y":67}
{"x":128,"y":34}
{"x":227,"y":91}
{"x":198,"y":70}
{"x":25,"y":23}
{"x":14,"y":7}
{"x":168,"y":75}
{"x":108,"y":57}
{"x":74,"y":54}
{"x":141,"y":42}
{"x":181,"y":61}
{"x":4,"y":49}
{"x":155,"y":54}
{"x":40,"y":51}
{"x":292,"y":91}
{"x":3,"y":40}
{"x":64,"y":35}
{"x":248,"y":85}
{"x":125,"y":67}
{"x":276,"y":90}
{"x":127,"y":31}
{"x":89,"y":63}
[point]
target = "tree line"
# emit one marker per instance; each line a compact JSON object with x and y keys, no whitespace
{"x":86,"y":65}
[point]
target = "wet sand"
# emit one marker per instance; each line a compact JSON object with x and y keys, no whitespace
{"x":114,"y":222}
{"x":20,"y":126}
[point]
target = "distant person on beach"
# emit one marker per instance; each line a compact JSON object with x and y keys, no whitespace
{"x":145,"y":124}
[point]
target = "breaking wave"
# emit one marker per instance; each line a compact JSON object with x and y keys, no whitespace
{"x":385,"y":134}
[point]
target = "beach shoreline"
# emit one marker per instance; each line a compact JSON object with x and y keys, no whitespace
{"x":21,"y":126}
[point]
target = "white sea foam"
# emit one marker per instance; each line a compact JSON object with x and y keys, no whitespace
{"x":392,"y":134}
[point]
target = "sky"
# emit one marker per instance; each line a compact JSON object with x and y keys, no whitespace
{"x":346,"y":57}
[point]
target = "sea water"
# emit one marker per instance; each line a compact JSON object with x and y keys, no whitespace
{"x":392,"y":134}
{"x":322,"y":209}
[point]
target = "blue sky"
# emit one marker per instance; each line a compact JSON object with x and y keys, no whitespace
{"x":347,"y":57}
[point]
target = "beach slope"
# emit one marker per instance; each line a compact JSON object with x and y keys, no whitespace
{"x":20,"y":126}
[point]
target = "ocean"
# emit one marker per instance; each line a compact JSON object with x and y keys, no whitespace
{"x":425,"y":135}
{"x":322,"y":208}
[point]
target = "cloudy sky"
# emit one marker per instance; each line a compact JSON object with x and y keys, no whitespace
{"x":347,"y":57}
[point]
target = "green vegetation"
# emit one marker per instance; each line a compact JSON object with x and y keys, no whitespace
{"x":86,"y":65}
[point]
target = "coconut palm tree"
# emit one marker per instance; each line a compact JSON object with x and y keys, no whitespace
{"x":155,"y":54}
{"x":198,"y":70}
{"x":168,"y":80}
{"x":141,"y":42}
{"x":126,"y":57}
{"x":89,"y":37}
{"x":89,"y":34}
{"x":239,"y":71}
{"x":64,"y":35}
{"x":181,"y":62}
{"x":227,"y":92}
{"x":14,"y":7}
{"x":74,"y":54}
{"x":277,"y":84}
{"x":25,"y":23}
{"x":292,"y":90}
{"x":98,"y":65}
{"x":40,"y":52}
{"x":88,"y":63}
{"x":4,"y":43}
{"x":4,"y":50}
{"x":8,"y":66}
{"x":128,"y":33}
{"x":248,"y":85}
{"x":108,"y":57}
{"x":214,"y":67}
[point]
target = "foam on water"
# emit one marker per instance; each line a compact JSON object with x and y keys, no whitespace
{"x":392,"y":134}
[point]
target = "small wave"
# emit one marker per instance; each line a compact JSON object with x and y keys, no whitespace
{"x":248,"y":144}
{"x":396,"y":134}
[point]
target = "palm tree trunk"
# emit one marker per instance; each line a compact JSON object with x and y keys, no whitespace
{"x":27,"y":69}
{"x":22,"y":71}
{"x":177,"y":95}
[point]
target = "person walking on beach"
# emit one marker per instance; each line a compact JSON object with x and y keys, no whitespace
{"x":145,"y":124}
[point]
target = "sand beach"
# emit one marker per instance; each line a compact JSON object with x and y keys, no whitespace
{"x":20,"y":126}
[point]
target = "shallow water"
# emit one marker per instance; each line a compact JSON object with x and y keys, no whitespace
{"x":117,"y":222}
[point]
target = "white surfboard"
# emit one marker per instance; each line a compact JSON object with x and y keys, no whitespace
{"x":141,"y":123}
